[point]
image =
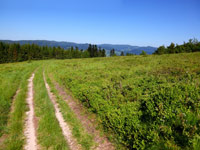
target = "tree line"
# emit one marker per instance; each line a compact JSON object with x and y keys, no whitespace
{"x":112,"y":53}
{"x":16,"y":52}
{"x":193,"y":45}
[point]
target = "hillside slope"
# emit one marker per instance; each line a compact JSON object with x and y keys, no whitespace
{"x":147,"y":102}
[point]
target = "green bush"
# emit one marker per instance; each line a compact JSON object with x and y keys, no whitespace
{"x":146,"y":102}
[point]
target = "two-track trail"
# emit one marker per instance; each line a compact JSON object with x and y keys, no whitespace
{"x":30,"y":130}
{"x":30,"y":126}
{"x":64,"y":126}
{"x":102,"y":142}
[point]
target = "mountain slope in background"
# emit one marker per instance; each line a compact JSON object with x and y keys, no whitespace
{"x":118,"y":48}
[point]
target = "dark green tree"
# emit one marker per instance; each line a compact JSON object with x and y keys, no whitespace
{"x":112,"y":52}
{"x":160,"y":50}
{"x":171,"y":48}
{"x":103,"y":53}
{"x":122,"y":53}
{"x":143,"y":53}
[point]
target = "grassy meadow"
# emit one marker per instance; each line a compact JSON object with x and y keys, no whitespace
{"x":140,"y":102}
{"x":13,"y":77}
{"x":49,"y":133}
{"x":83,"y":138}
{"x":146,"y":102}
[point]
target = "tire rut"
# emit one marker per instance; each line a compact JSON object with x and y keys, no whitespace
{"x":88,"y":124}
{"x":64,"y":126}
{"x":30,"y":127}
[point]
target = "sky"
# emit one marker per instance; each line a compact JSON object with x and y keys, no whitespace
{"x":134,"y":22}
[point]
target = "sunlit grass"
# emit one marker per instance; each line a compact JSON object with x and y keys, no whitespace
{"x":14,"y":130}
{"x":78,"y":132}
{"x":49,"y":133}
{"x":138,"y":96}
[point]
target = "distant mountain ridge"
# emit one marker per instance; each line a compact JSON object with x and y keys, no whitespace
{"x":118,"y":47}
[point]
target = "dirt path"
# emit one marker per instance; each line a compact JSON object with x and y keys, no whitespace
{"x":88,"y":124}
{"x":64,"y":126}
{"x":30,"y":130}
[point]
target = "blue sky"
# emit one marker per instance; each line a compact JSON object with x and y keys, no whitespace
{"x":134,"y":22}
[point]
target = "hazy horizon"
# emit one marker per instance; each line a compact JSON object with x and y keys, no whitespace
{"x":76,"y":42}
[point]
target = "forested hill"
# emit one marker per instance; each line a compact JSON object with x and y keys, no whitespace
{"x":118,"y":48}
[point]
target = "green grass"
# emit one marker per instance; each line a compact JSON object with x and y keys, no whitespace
{"x":11,"y":76}
{"x":17,"y":73}
{"x":49,"y":133}
{"x":147,"y":102}
{"x":143,"y":102}
{"x":83,"y":138}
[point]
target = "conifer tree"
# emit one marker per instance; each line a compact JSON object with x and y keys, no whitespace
{"x":122,"y":53}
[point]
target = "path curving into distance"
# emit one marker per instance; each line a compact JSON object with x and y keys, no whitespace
{"x":64,"y":126}
{"x":30,"y":131}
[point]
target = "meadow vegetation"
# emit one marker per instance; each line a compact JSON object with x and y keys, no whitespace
{"x":83,"y":138}
{"x":146,"y":102}
{"x":142,"y":102}
{"x":49,"y":133}
{"x":13,"y":77}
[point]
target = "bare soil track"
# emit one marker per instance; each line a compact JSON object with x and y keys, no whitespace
{"x":30,"y":130}
{"x":88,"y":124}
{"x":64,"y":126}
